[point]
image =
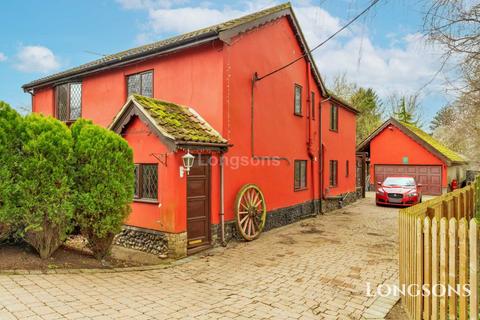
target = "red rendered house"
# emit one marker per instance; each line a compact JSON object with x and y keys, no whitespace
{"x":402,"y":149}
{"x":205,"y":93}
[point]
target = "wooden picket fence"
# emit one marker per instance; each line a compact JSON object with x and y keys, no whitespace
{"x":439,"y":248}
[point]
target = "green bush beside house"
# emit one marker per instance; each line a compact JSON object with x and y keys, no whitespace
{"x":45,"y":180}
{"x":53,"y":177}
{"x":11,"y":126}
{"x":104,"y":184}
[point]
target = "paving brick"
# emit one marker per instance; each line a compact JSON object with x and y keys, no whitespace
{"x":314,"y":269}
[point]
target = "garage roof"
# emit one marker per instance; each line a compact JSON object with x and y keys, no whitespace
{"x":421,"y":137}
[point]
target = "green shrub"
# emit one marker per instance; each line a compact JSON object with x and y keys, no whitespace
{"x":45,"y":183}
{"x":104,"y":183}
{"x":11,"y":126}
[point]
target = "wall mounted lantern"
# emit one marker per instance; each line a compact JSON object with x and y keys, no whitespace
{"x":188,"y":160}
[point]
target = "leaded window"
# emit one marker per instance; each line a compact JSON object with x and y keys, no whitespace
{"x":146,"y":181}
{"x":300,"y":179}
{"x":334,"y":117}
{"x":298,"y":100}
{"x":140,"y":83}
{"x":69,"y":101}
{"x":333,"y":173}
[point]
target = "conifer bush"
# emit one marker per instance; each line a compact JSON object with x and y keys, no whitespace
{"x":45,"y":183}
{"x":104,"y":184}
{"x":11,"y":126}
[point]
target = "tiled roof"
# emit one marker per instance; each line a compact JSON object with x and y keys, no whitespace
{"x":180,"y":123}
{"x":159,"y":46}
{"x":434,"y":143}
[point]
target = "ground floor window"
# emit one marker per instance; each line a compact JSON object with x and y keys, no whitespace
{"x":146,"y":182}
{"x":333,"y":173}
{"x":300,"y":178}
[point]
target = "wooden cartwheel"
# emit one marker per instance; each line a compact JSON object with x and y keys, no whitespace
{"x":250,"y":212}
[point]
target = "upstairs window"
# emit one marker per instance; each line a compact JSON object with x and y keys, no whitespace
{"x":68,"y":101}
{"x":347,"y":168}
{"x":333,"y":173}
{"x":300,"y":174}
{"x":334,"y":117}
{"x":298,"y":100}
{"x":140,"y":83}
{"x":146,"y":182}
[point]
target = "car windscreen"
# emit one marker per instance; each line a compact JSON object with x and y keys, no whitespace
{"x":401,"y":182}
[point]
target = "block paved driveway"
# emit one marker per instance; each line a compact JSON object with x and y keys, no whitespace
{"x":314,"y":269}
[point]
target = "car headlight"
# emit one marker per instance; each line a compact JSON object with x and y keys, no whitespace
{"x":380,"y":192}
{"x":413,"y":194}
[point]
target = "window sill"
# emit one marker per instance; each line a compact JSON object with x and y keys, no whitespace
{"x":298,"y":115}
{"x":332,"y":130}
{"x":151,"y":201}
{"x":300,"y":189}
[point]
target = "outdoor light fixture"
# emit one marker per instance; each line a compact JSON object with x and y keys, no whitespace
{"x":188,"y":160}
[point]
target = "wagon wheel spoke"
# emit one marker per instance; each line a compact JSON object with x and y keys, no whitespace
{"x":255,"y":224}
{"x":243,"y":220}
{"x":255,"y":200}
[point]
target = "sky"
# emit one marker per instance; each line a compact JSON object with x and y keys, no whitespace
{"x":384,"y":50}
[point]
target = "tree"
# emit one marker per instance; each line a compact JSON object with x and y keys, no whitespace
{"x":370,"y":118}
{"x":104,"y":184}
{"x":45,"y":183}
{"x":11,"y":126}
{"x":406,"y":109}
{"x":342,"y":88}
{"x":444,"y":117}
{"x":455,"y":26}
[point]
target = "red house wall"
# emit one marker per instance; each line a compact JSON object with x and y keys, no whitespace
{"x":391,"y":145}
{"x":339,"y":146}
{"x":262,"y":50}
{"x":192,"y":77}
{"x":43,"y":101}
{"x":277,"y":131}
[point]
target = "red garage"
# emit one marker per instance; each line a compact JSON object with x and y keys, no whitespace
{"x":400,"y":149}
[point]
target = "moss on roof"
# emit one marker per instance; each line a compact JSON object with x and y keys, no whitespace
{"x":434,"y":143}
{"x":180,"y":122}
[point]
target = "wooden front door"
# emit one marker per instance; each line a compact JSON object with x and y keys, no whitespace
{"x":198,"y":204}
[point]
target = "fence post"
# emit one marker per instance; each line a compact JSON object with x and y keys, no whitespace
{"x":463,"y":267}
{"x":419,"y":269}
{"x":474,"y":302}
{"x":427,"y":269}
{"x":443,"y":267}
{"x":435,"y":265}
{"x":452,"y":269}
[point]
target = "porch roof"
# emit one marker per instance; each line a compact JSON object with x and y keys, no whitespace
{"x":179,"y":125}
